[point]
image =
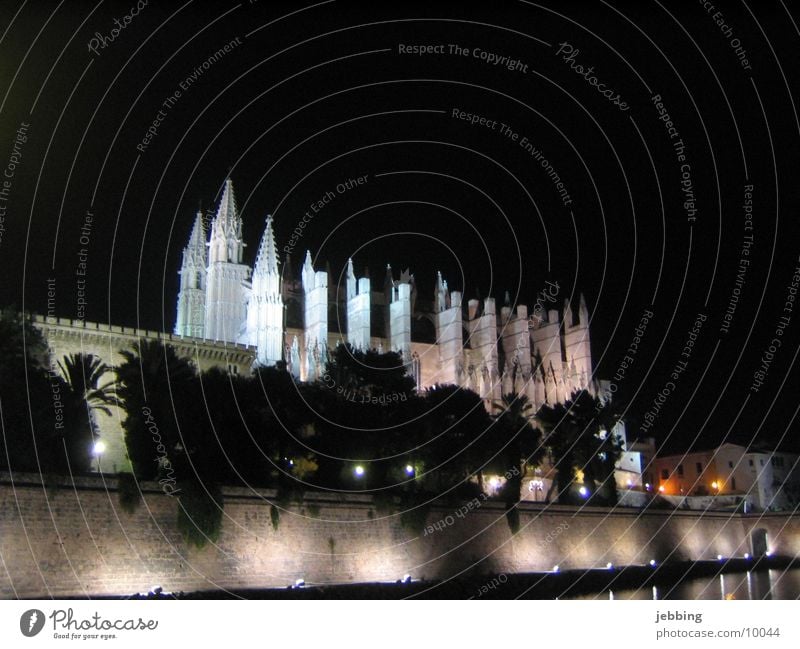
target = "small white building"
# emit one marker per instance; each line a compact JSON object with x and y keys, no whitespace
{"x":634,"y":465}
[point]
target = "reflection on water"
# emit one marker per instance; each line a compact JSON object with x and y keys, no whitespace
{"x":761,"y":584}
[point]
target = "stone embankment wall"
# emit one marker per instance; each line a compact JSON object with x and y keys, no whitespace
{"x":75,"y":540}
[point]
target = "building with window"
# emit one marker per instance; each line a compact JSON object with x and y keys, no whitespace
{"x":730,"y":475}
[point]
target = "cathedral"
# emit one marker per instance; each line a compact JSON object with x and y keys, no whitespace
{"x":545,"y":354}
{"x":237,"y":317}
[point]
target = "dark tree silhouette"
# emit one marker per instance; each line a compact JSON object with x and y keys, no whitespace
{"x":519,"y":442}
{"x":157,"y":389}
{"x":367,"y":374}
{"x":579,"y":436}
{"x":33,"y":418}
{"x":453,"y":442}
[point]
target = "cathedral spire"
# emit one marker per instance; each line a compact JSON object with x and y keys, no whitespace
{"x":441,"y":296}
{"x":226,"y":243}
{"x":197,"y":239}
{"x":226,"y":294}
{"x":583,"y":311}
{"x":267,"y":256}
{"x":227,"y":204}
{"x":350,"y":280}
{"x":288,"y":273}
{"x":191,"y":298}
{"x":388,"y":281}
{"x":307,"y":273}
{"x":264,"y":327}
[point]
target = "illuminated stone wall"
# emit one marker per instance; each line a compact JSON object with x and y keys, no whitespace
{"x":65,"y":541}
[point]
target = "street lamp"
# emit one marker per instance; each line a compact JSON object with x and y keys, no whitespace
{"x":97,"y":450}
{"x":536,"y":486}
{"x":359,"y":471}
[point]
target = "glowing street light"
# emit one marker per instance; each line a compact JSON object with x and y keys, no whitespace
{"x":583,"y":491}
{"x":98,"y":449}
{"x":409,"y":469}
{"x":653,"y":562}
{"x":359,"y":471}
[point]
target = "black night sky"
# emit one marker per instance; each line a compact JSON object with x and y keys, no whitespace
{"x":307,"y":97}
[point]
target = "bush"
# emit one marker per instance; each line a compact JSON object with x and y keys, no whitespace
{"x":512,"y":518}
{"x":384,"y":503}
{"x":275,"y":517}
{"x":414,"y":516}
{"x":128,"y":493}
{"x":200,"y":514}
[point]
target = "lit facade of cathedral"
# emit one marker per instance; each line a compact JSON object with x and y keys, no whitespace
{"x":544,"y":354}
{"x":235,"y":317}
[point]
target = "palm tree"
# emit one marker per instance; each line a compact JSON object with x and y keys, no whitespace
{"x":84,"y":394}
{"x":520,"y":440}
{"x":83,"y":372}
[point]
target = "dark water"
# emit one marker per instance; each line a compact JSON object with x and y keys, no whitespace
{"x":756,"y":584}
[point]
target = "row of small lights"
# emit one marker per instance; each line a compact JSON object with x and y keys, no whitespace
{"x":609,"y":565}
{"x":301,"y":583}
{"x":720,"y":557}
{"x":653,"y":563}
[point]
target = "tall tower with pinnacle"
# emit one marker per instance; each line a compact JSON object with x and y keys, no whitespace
{"x":577,"y":347}
{"x":315,"y":291}
{"x":358,"y":309}
{"x":192,"y":295}
{"x":226,"y":290}
{"x":449,"y":333}
{"x":264,"y":328}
